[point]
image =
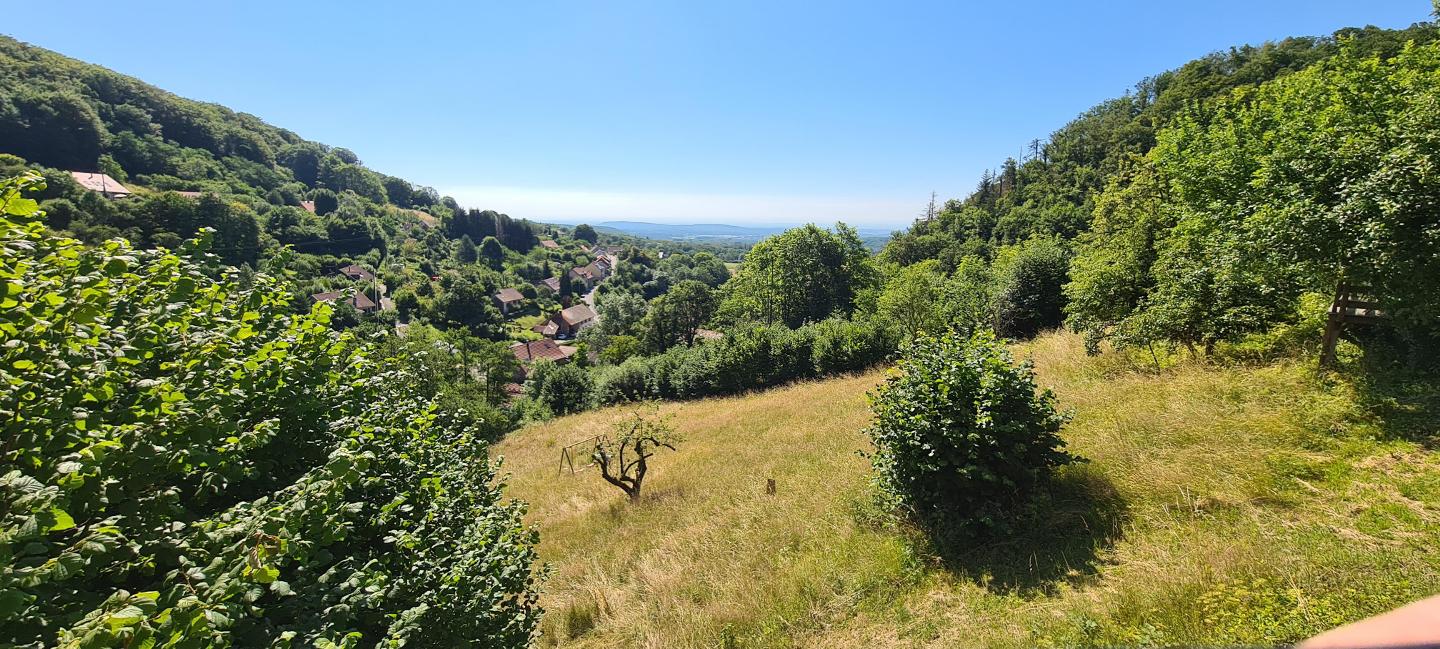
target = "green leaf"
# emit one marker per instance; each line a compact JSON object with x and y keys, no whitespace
{"x":12,"y":602}
{"x":63,"y":520}
{"x":127,"y":616}
{"x":23,"y":364}
{"x":265,"y":574}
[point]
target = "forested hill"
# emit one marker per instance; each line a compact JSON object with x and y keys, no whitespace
{"x":69,"y":115}
{"x":1220,"y":200}
{"x":1052,"y":189}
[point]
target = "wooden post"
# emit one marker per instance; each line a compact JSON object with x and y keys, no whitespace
{"x":1329,"y":340}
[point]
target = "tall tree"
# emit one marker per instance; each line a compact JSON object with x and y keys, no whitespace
{"x":802,"y":275}
{"x":465,"y":251}
{"x":584,"y":232}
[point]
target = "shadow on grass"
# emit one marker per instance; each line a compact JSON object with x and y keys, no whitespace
{"x":1398,"y":383}
{"x":1059,"y":538}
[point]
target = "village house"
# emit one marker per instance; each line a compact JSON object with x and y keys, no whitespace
{"x":360,"y":301}
{"x":101,"y":184}
{"x":357,"y":273}
{"x":549,"y":243}
{"x":538,"y":350}
{"x":508,"y":299}
{"x":592,"y":273}
{"x":308,"y":206}
{"x":567,"y":323}
{"x":552,"y":283}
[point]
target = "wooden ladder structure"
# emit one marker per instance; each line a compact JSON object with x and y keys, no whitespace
{"x":1352,"y":305}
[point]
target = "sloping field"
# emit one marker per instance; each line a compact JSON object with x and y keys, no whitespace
{"x":1219,"y":506}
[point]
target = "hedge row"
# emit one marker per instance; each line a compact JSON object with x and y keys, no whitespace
{"x":745,"y":359}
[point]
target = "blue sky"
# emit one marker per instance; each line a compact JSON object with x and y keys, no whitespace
{"x":680,"y":112}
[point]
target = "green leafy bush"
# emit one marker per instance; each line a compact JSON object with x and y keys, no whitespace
{"x":188,"y":464}
{"x":848,"y":346}
{"x":1029,"y":295}
{"x":628,"y":381}
{"x":962,"y":434}
{"x":561,"y":388}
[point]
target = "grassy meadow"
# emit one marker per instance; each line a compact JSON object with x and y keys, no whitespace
{"x":1220,"y":505}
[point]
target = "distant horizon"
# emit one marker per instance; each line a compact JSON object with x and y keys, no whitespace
{"x":552,"y":206}
{"x":745,"y":226}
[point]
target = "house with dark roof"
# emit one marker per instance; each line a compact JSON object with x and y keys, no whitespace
{"x":540,"y":350}
{"x":101,"y":184}
{"x":357,"y":273}
{"x":552,"y":283}
{"x":360,"y":300}
{"x":508,"y":299}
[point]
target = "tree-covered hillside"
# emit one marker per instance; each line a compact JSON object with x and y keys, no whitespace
{"x":1202,"y":206}
{"x":194,"y":165}
{"x":1052,"y":190}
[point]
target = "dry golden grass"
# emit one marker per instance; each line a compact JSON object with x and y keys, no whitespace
{"x":1257,"y":505}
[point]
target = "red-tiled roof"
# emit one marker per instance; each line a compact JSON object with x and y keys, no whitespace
{"x":706,"y":334}
{"x":97,"y":182}
{"x":549,"y":243}
{"x":309,"y":206}
{"x":544,"y":349}
{"x":508,"y":295}
{"x":552,"y":283}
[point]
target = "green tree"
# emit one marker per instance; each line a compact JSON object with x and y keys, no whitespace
{"x":802,"y":275}
{"x":465,"y":250}
{"x":325,"y":201}
{"x":492,"y":252}
{"x":624,"y":455}
{"x":584,"y":232}
{"x":673,"y":318}
{"x":561,"y":388}
{"x":911,"y":300}
{"x":55,"y":128}
{"x":1030,"y":280}
{"x":620,"y":313}
{"x":465,"y":301}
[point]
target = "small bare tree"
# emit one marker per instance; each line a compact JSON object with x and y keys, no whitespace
{"x":624,"y":455}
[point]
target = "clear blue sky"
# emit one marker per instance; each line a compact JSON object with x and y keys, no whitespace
{"x":744,"y":112}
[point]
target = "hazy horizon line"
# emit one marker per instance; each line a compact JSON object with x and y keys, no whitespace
{"x":572,"y":207}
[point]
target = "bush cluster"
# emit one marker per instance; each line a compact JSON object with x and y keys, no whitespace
{"x":188,"y":464}
{"x":745,"y":359}
{"x":962,"y":434}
